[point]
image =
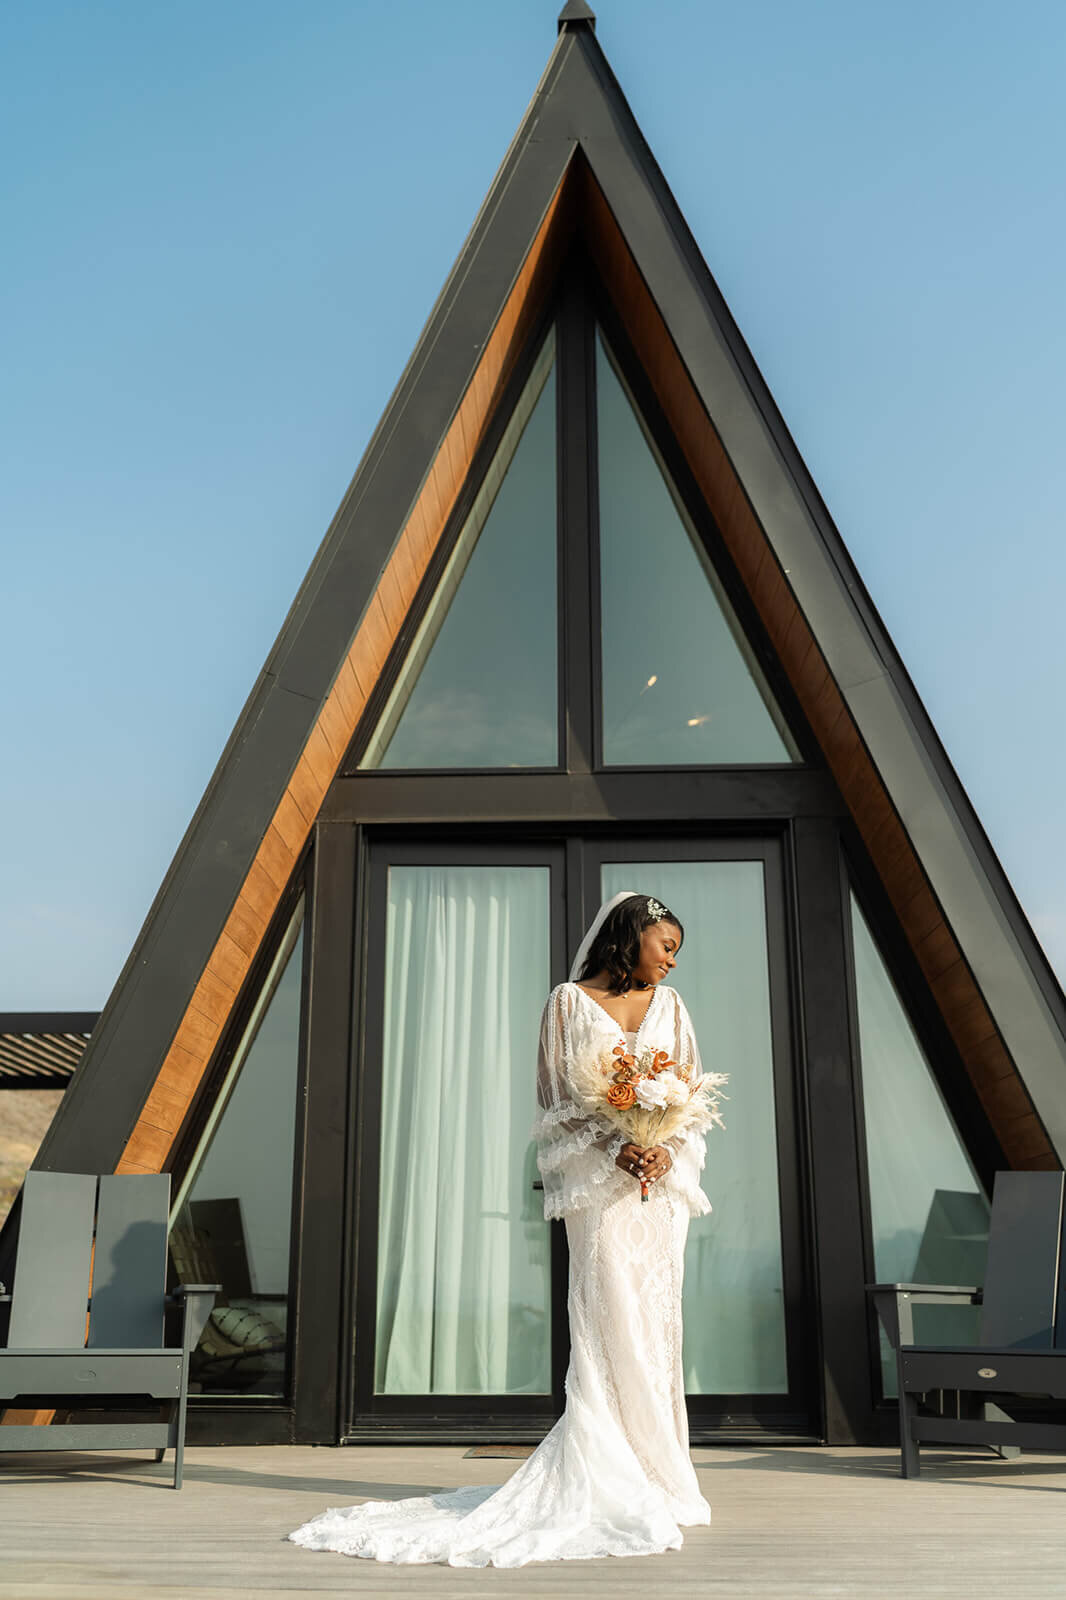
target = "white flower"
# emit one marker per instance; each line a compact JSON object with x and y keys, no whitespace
{"x":651,"y":1092}
{"x":677,"y":1091}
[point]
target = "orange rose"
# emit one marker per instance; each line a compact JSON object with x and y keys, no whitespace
{"x":621,"y":1096}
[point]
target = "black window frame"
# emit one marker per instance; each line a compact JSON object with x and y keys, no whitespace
{"x":578,"y":308}
{"x":412,"y":1417}
{"x":576,"y":858}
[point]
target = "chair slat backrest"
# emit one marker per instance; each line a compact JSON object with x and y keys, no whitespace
{"x":1024,"y":1249}
{"x":130,"y":1262}
{"x":51,"y":1288}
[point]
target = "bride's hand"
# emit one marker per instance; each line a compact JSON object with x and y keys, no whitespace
{"x":646,"y":1164}
{"x":657,"y":1163}
{"x":630,"y":1159}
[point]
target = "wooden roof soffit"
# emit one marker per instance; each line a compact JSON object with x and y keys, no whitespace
{"x":992,"y":1071}
{"x":152,"y":1139}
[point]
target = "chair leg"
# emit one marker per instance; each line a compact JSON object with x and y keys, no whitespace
{"x":994,"y":1413}
{"x":179,"y":1443}
{"x":910,"y":1464}
{"x":160,"y":1454}
{"x":973,"y":1408}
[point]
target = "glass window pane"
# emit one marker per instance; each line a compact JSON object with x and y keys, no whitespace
{"x":232,"y":1217}
{"x":479,"y":687}
{"x":733,"y":1298}
{"x":463,"y":1273}
{"x":928,"y":1211}
{"x":680,"y":684}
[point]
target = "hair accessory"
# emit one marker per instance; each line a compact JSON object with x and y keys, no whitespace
{"x":656,"y":910}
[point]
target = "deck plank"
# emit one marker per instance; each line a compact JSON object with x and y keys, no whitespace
{"x":788,"y":1524}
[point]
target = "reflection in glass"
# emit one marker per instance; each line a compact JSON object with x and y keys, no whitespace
{"x":479,"y":685}
{"x":928,"y":1212}
{"x":463,"y":1280}
{"x":733,"y":1300}
{"x":231,"y":1220}
{"x":680,"y":684}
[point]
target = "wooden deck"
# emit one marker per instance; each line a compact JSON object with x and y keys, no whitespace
{"x":788,"y":1523}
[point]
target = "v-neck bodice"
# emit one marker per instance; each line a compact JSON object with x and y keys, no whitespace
{"x":631,"y":1035}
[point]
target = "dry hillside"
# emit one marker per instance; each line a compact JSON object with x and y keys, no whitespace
{"x":24,"y":1118}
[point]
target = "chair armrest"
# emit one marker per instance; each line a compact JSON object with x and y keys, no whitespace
{"x":923,"y":1289}
{"x":895,"y":1304}
{"x":197,"y":1300}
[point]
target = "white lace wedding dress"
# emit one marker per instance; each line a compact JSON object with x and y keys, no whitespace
{"x":614,"y":1476}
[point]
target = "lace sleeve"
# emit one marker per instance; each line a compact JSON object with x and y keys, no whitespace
{"x":575,"y":1152}
{"x":688,"y":1150}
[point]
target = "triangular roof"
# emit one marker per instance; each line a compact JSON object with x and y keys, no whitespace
{"x":578,"y":161}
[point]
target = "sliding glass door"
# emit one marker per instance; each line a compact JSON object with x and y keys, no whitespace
{"x":461,"y":1305}
{"x":743,"y":1298}
{"x":457,"y":1309}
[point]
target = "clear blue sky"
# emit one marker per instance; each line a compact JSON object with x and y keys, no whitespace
{"x":224,"y":226}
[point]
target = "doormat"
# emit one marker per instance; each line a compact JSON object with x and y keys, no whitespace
{"x":500,"y":1452}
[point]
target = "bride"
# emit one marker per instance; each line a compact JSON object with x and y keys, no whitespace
{"x":614,"y":1476}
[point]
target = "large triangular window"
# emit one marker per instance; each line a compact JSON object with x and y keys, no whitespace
{"x":680,"y":683}
{"x":479,"y":686}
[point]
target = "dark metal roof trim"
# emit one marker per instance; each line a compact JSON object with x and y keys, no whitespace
{"x":997,"y":940}
{"x":577,"y":104}
{"x":577,"y":14}
{"x":153,"y":990}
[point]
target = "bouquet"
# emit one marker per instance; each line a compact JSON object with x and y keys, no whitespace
{"x":648,"y":1097}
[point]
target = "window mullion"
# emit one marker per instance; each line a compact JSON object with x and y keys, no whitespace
{"x":578,"y":596}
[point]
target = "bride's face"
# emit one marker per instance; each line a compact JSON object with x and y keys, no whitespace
{"x":659,"y":945}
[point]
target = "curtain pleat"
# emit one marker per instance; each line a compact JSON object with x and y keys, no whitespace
{"x":463,"y":1290}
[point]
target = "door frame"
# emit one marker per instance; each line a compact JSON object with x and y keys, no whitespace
{"x":574,"y":859}
{"x":430,"y":1417}
{"x":795,"y":1414}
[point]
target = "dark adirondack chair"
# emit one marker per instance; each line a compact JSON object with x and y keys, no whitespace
{"x":67,"y":1346}
{"x":1021,"y":1348}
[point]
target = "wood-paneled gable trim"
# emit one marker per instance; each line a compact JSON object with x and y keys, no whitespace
{"x":152,"y":1140}
{"x":967,"y":1017}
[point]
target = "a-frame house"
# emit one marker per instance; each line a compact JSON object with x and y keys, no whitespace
{"x":581,"y":622}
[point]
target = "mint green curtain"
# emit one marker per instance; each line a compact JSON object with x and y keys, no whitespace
{"x":463,"y":1271}
{"x":733,"y":1300}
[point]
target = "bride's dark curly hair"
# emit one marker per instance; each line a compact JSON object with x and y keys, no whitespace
{"x":616,"y":947}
